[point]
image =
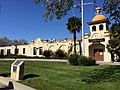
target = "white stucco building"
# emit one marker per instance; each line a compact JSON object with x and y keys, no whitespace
{"x":36,"y":47}
{"x":94,"y":44}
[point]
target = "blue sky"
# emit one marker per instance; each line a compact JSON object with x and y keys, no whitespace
{"x":22,"y":19}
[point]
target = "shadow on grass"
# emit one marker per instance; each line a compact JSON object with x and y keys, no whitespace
{"x":108,"y":74}
{"x":5,"y":74}
{"x":30,"y":76}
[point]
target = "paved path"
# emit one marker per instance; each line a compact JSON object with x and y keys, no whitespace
{"x":107,"y":63}
{"x":61,"y":60}
{"x":16,"y":85}
{"x":52,"y":60}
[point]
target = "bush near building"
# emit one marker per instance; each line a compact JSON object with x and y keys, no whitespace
{"x":48,"y":54}
{"x":86,"y":61}
{"x":75,"y":59}
{"x":60,"y":54}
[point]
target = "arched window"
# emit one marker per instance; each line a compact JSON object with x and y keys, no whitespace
{"x":8,"y":51}
{"x":34,"y":51}
{"x":101,"y":27}
{"x":2,"y":52}
{"x":94,"y":28}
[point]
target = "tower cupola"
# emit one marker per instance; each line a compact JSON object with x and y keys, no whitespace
{"x":99,"y":22}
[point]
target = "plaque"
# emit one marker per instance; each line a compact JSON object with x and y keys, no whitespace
{"x":14,"y":68}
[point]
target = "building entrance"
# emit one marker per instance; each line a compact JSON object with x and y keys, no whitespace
{"x":97,"y":51}
{"x":98,"y":54}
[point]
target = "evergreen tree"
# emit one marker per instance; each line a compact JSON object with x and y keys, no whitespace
{"x":112,"y":7}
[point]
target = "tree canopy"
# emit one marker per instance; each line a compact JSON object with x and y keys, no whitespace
{"x":112,"y":7}
{"x":58,"y":8}
{"x":6,"y":41}
{"x":55,"y":8}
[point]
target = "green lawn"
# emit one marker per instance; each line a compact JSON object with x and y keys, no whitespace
{"x":61,"y":76}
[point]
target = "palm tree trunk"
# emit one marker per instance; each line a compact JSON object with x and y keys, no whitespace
{"x":80,"y":48}
{"x":74,"y":36}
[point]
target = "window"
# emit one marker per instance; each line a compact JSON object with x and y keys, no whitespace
{"x":23,"y":50}
{"x":94,"y":28}
{"x":40,"y":51}
{"x":8,"y":51}
{"x":101,"y":27}
{"x":16,"y":51}
{"x":34,"y":51}
{"x":2,"y":52}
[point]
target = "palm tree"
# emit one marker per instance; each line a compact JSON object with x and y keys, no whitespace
{"x":74,"y":25}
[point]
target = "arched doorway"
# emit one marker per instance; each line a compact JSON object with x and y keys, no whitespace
{"x":97,"y":51}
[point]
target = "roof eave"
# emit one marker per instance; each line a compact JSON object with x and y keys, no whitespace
{"x":99,"y":21}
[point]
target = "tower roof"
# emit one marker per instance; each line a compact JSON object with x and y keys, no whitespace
{"x":98,"y":18}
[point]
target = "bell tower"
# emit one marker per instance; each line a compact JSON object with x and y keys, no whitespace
{"x":99,"y":23}
{"x":96,"y":42}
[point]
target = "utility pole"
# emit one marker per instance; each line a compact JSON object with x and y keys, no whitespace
{"x":82,"y":12}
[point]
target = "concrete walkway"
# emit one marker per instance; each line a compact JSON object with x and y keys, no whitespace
{"x":24,"y":59}
{"x":107,"y":63}
{"x":16,"y":85}
{"x":61,"y":60}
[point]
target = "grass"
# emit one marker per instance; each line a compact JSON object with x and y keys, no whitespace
{"x":62,"y":76}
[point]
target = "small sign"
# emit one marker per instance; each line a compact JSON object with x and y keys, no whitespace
{"x":97,"y":40}
{"x":17,"y":70}
{"x":14,"y":68}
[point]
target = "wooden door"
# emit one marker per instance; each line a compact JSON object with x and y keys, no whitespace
{"x":98,"y":54}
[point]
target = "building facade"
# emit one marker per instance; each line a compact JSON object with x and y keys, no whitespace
{"x":38,"y":46}
{"x":94,"y":44}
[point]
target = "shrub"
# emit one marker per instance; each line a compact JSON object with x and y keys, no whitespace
{"x":92,"y":61}
{"x":73,"y":59}
{"x":86,"y":61}
{"x":60,"y":54}
{"x":81,"y":60}
{"x":48,"y":54}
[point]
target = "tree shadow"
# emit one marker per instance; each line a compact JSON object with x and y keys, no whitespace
{"x":5,"y":74}
{"x":30,"y":76}
{"x":108,"y":74}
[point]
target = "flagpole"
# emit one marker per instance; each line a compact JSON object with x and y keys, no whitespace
{"x":82,"y":9}
{"x":82,"y":12}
